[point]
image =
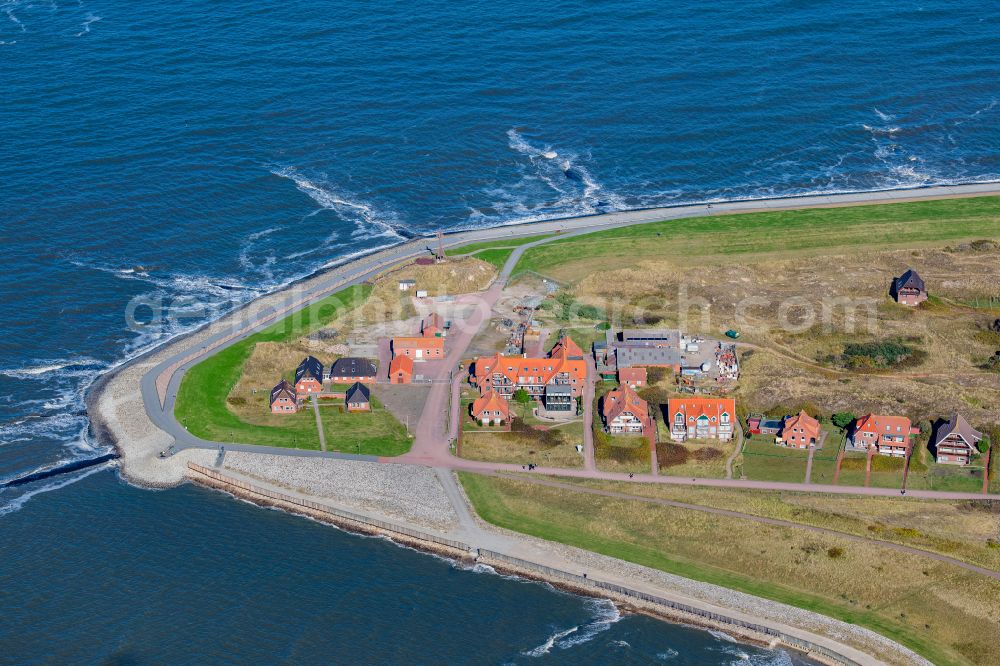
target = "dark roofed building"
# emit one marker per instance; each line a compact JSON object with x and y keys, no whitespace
{"x":909,"y":288}
{"x":309,"y":376}
{"x":955,"y":441}
{"x":352,"y":369}
{"x":283,"y":398}
{"x":358,"y":398}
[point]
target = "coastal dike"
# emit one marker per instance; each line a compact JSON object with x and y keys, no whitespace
{"x":132,"y":408}
{"x":760,"y":629}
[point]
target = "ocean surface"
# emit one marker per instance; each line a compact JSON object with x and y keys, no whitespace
{"x":177,"y":159}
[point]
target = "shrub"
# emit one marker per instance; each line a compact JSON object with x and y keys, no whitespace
{"x":984,"y":444}
{"x":883,"y":354}
{"x":843,"y":419}
{"x":835,"y":553}
{"x":657,"y":375}
{"x":521,"y":397}
{"x":670,"y":454}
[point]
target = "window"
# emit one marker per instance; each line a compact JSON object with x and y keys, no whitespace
{"x":679,"y":418}
{"x":725,"y":417}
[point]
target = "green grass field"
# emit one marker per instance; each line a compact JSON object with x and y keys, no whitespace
{"x":883,"y":225}
{"x":824,"y":573}
{"x":375,"y":433}
{"x":765,"y":461}
{"x":497,"y":256}
{"x":489,"y":245}
{"x":201,"y":400}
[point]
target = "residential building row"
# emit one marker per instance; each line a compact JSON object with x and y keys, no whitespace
{"x":312,"y":378}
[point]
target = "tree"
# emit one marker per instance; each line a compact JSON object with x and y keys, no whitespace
{"x":842,"y":419}
{"x":984,"y":444}
{"x":521,"y":397}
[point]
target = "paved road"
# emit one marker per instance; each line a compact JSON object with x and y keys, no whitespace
{"x":159,"y":385}
{"x":809,"y":465}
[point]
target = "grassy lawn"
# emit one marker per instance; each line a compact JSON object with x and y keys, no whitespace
{"x":375,"y":433}
{"x":618,"y":453}
{"x":494,"y":244}
{"x":960,"y":529}
{"x":884,"y":225}
{"x":519,"y":448}
{"x":887,"y":472}
{"x":694,"y":458}
{"x":763,"y":460}
{"x":498,"y":256}
{"x":947,"y":477}
{"x":201,"y":401}
{"x":906,"y":600}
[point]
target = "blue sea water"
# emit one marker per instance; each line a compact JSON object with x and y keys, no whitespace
{"x":193,"y":155}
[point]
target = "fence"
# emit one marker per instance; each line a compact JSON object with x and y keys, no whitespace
{"x":547,"y":572}
{"x":322,"y":508}
{"x":791,"y":641}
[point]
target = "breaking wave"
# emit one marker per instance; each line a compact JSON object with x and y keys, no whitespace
{"x":605,"y":614}
{"x":370,"y":222}
{"x":549,"y":183}
{"x":17,"y":502}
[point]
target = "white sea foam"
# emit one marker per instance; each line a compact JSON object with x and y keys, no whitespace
{"x":370,"y":222}
{"x":605,"y":612}
{"x":13,"y":18}
{"x":890,"y":130}
{"x":667,"y":654}
{"x":85,"y":26}
{"x":721,"y":635}
{"x":17,"y":502}
{"x":884,"y":116}
{"x":547,"y":187}
{"x":549,"y":643}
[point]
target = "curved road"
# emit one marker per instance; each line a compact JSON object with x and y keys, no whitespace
{"x":431,"y":447}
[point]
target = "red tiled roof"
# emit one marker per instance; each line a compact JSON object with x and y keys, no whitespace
{"x":624,"y":399}
{"x":401,"y":363}
{"x":702,"y":406}
{"x":417,"y":342}
{"x":490,"y":401}
{"x":809,"y":425}
{"x":883,"y":425}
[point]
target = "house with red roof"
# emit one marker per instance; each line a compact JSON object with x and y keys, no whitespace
{"x":625,"y":412}
{"x":701,"y":417}
{"x":432,"y":326}
{"x":491,"y":409}
{"x":505,"y":374}
{"x":634,"y":377}
{"x":401,"y":370}
{"x":799,"y":432}
{"x":886,"y":435}
{"x":418,"y":348}
{"x":284,"y":399}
